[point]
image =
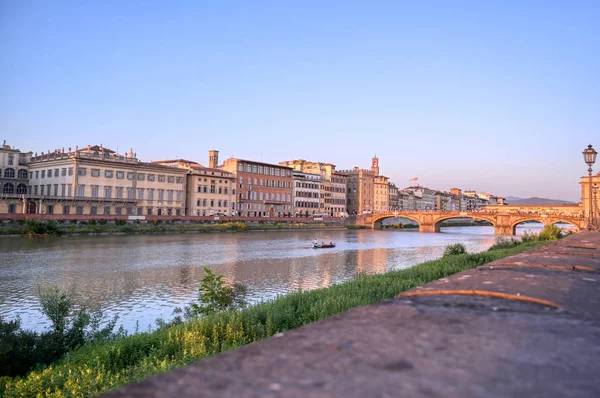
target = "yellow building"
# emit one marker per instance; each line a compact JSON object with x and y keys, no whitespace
{"x":209,"y":191}
{"x":98,"y":181}
{"x":594,"y":203}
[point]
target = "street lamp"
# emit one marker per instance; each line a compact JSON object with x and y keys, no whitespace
{"x":589,"y":156}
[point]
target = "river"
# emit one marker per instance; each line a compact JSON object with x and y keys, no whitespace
{"x":143,"y":277}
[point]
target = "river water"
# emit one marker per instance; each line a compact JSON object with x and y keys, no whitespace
{"x":143,"y":277}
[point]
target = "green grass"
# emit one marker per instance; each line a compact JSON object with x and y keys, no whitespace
{"x":94,"y":369}
{"x":150,"y":228}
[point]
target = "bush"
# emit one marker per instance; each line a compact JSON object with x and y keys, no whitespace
{"x":550,"y":232}
{"x":120,"y":222}
{"x":216,"y":296}
{"x":72,"y":326}
{"x":37,"y":228}
{"x":92,"y":221}
{"x":102,"y":221}
{"x":455,"y":249}
{"x":505,"y":243}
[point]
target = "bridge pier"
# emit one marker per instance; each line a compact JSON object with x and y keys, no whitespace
{"x":429,"y":227}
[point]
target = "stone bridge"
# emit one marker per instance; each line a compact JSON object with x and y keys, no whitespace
{"x":504,"y":221}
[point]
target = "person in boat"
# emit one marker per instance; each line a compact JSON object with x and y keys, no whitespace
{"x":315,"y":243}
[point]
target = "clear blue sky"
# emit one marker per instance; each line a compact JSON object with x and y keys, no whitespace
{"x":497,"y":96}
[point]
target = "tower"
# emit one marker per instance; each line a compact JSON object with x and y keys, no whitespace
{"x":375,"y":165}
{"x":213,"y":159}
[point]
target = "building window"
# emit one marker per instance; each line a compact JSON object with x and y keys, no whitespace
{"x":11,"y":159}
{"x":240,"y":167}
{"x":179,"y":180}
{"x":140,"y":211}
{"x":10,"y":173}
{"x":140,"y":194}
{"x":118,"y":211}
{"x":50,"y":209}
{"x":119,"y":192}
{"x":107,"y":192}
{"x":212,"y":203}
{"x":63,"y":172}
{"x":120,"y":175}
{"x":179,"y":196}
{"x":70,"y":171}
{"x":141,"y":177}
{"x":130,"y":193}
{"x":81,"y":190}
{"x":79,"y":210}
{"x":93,"y":210}
{"x":66,"y":209}
{"x":171,"y":180}
{"x":170,"y":195}
{"x":130,"y":176}
{"x":106,"y":211}
{"x":161,"y":178}
{"x":63,"y":189}
{"x":151,"y":177}
{"x":150,"y":194}
{"x":22,"y":174}
{"x":248,"y":168}
{"x":55,"y":172}
{"x":95,"y":189}
{"x":21,"y":188}
{"x":82,"y":171}
{"x":212,"y":189}
{"x":161,"y":194}
{"x":8,"y":188}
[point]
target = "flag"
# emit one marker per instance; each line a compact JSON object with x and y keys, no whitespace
{"x":414,"y":179}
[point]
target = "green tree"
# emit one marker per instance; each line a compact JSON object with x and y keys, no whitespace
{"x":215,"y":295}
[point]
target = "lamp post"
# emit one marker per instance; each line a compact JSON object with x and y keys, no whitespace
{"x":589,"y":156}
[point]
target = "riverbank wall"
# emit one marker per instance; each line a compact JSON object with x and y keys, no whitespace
{"x":524,"y":325}
{"x":17,"y":224}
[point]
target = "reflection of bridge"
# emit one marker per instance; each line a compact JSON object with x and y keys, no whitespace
{"x":505,"y":222}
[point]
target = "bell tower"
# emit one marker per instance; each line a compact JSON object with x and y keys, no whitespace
{"x":375,"y":165}
{"x":213,"y":159}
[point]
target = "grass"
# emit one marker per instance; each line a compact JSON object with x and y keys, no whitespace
{"x":97,"y":368}
{"x":122,"y":227}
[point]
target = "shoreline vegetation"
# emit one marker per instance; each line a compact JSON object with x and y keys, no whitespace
{"x":107,"y":364}
{"x":35,"y":228}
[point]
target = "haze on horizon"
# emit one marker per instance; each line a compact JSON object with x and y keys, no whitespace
{"x":500,"y":98}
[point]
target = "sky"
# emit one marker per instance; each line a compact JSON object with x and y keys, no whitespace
{"x":496,"y":96}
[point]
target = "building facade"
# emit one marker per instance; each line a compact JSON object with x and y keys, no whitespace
{"x":209,"y":191}
{"x":333,"y":185}
{"x":98,"y":181}
{"x":307,"y":194}
{"x":360,"y":190}
{"x":424,"y":197}
{"x":381,"y":193}
{"x":14,"y":179}
{"x":263,"y":189}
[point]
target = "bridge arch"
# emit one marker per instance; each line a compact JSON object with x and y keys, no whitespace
{"x":440,"y":220}
{"x":377,"y":220}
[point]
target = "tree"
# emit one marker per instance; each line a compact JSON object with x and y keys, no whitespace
{"x":215,"y":295}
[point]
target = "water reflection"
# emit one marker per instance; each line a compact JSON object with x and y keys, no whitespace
{"x":143,"y":277}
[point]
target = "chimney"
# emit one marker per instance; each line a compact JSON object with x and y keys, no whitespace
{"x":213,"y":159}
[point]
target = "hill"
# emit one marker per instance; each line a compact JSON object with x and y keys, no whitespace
{"x":515,"y":201}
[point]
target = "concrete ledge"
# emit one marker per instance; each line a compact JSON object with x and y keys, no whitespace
{"x":434,"y":345}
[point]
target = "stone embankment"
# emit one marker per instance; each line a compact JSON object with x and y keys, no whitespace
{"x":524,"y":326}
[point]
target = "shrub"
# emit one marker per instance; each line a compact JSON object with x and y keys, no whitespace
{"x":216,"y":296}
{"x":455,"y":249}
{"x":92,"y":221}
{"x":505,"y":243}
{"x":24,"y":350}
{"x":527,"y":237}
{"x":102,"y":221}
{"x":550,"y":232}
{"x":120,"y":222}
{"x":35,"y":227}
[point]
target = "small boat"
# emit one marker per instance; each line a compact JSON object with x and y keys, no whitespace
{"x":323,"y":246}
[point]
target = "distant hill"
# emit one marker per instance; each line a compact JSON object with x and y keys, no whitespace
{"x":515,"y":201}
